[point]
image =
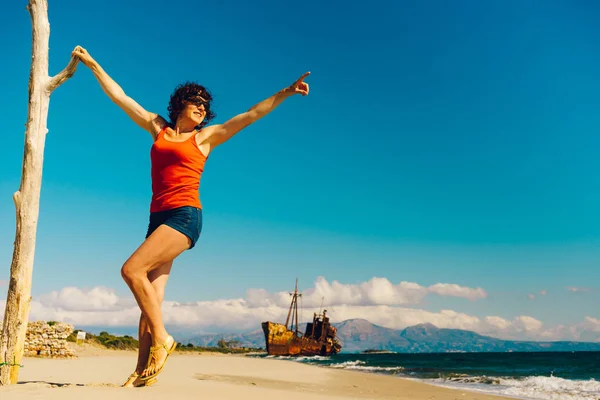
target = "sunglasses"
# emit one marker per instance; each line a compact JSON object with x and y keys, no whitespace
{"x":196,"y":100}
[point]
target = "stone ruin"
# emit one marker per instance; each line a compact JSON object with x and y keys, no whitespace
{"x":48,"y":340}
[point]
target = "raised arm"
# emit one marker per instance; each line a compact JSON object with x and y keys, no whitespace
{"x":218,"y":134}
{"x":148,"y":121}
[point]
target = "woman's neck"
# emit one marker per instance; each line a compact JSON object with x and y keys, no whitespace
{"x":182,"y":128}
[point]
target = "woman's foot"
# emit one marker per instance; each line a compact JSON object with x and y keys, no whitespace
{"x":135,"y":380}
{"x":158,"y":358}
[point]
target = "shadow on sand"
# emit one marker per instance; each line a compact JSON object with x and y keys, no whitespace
{"x":65,"y":384}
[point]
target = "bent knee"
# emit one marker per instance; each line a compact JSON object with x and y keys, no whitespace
{"x":129,"y":272}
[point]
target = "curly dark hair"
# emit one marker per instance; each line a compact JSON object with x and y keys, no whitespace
{"x":190,"y":93}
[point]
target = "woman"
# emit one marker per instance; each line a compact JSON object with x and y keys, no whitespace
{"x":181,"y":147}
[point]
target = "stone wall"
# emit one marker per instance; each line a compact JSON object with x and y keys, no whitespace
{"x":48,"y":340}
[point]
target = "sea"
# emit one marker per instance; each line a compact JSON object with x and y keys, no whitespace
{"x":521,"y":375}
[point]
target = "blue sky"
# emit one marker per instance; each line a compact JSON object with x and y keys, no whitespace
{"x":442,"y":142}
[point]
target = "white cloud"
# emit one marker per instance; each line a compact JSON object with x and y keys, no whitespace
{"x":532,"y":296}
{"x":527,"y":324}
{"x":75,"y":299}
{"x":451,"y":289}
{"x":522,"y":327}
{"x":376,"y":291}
{"x":591,"y":324}
{"x":587,"y":330}
{"x":577,"y":289}
{"x":377,"y":300}
{"x":497,"y":323}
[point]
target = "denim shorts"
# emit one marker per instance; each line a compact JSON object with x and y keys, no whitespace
{"x":187,"y":220}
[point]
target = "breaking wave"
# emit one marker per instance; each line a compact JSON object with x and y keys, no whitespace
{"x":360,"y":366}
{"x":532,"y":387}
{"x":527,"y":375}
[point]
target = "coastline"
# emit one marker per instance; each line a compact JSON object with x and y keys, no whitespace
{"x":98,"y":373}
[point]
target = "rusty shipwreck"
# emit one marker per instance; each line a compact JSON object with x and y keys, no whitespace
{"x":319,"y":338}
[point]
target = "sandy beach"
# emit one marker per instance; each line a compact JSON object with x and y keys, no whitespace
{"x":97,"y":374}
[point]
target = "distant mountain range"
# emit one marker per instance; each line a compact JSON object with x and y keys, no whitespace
{"x":359,"y":335}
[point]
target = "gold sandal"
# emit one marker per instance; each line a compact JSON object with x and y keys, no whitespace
{"x":134,"y":377}
{"x":168,"y":349}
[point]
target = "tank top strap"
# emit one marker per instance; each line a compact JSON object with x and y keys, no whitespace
{"x":193,"y":137}
{"x":192,"y":140}
{"x":161,"y":132}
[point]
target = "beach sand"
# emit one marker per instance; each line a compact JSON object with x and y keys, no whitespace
{"x":97,"y":374}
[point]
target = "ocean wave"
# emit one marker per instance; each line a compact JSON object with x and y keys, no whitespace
{"x":464,"y":378}
{"x":533,"y":387}
{"x":552,"y":388}
{"x":312,"y":358}
{"x":348,"y":364}
{"x":360,"y":366}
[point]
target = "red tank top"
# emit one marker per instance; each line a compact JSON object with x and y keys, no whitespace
{"x":176,"y":171}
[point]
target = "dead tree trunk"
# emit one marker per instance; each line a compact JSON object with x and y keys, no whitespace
{"x":27,"y":198}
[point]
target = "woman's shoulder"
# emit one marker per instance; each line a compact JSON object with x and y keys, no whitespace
{"x":159,"y":124}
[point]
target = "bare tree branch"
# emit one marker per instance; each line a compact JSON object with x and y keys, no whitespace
{"x":27,"y":198}
{"x":63,"y":75}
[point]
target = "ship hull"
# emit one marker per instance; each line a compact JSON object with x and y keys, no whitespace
{"x":282,"y":342}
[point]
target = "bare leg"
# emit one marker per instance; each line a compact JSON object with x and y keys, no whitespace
{"x":145,"y":341}
{"x":158,"y":278}
{"x":161,"y":247}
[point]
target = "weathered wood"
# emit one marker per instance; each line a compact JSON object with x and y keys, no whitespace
{"x":27,"y":198}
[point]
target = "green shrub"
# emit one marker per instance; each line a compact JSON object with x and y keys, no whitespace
{"x":127,"y":342}
{"x":107,"y":340}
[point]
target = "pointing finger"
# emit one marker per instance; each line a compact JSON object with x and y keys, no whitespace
{"x":303,"y":77}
